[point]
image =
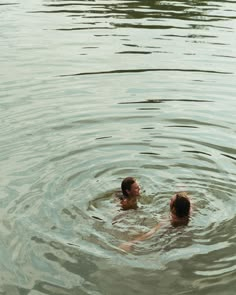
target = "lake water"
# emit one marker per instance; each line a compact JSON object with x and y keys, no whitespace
{"x":92,"y":92}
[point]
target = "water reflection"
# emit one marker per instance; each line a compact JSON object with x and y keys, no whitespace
{"x":148,"y":14}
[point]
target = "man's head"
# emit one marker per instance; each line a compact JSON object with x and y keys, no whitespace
{"x":180,"y":205}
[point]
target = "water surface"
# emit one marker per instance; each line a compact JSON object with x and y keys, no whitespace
{"x":92,"y":92}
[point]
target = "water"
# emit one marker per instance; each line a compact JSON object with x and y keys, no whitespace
{"x":92,"y":92}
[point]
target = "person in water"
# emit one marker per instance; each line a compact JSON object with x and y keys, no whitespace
{"x":130,"y":193}
{"x":180,"y":210}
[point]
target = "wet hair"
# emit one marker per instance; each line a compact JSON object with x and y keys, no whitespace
{"x":181,"y":204}
{"x":126,"y":185}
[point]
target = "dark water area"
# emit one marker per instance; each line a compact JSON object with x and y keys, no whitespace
{"x":92,"y":92}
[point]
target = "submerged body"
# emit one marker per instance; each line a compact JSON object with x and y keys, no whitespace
{"x":180,"y":210}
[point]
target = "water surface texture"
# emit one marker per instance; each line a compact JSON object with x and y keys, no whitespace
{"x":92,"y":92}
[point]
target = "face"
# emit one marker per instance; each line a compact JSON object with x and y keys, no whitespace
{"x":134,"y":190}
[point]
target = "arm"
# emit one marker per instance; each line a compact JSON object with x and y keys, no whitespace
{"x":128,"y":245}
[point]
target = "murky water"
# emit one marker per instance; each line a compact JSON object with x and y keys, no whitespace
{"x":92,"y":92}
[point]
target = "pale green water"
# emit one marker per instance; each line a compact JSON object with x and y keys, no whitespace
{"x":92,"y":92}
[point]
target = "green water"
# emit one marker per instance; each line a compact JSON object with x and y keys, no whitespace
{"x":92,"y":92}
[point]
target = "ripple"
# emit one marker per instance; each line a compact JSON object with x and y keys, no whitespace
{"x":13,"y":3}
{"x":147,"y":70}
{"x":73,"y":127}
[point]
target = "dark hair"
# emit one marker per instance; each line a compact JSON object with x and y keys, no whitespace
{"x":126,"y":185}
{"x":181,"y":204}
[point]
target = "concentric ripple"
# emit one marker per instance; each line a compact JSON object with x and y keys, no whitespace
{"x":92,"y":92}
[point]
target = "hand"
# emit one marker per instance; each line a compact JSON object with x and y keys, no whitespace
{"x":127,"y":246}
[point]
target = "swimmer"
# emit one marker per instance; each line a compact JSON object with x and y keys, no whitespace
{"x":180,"y":210}
{"x":130,"y":190}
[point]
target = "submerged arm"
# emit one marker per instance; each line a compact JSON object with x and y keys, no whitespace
{"x":128,"y":245}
